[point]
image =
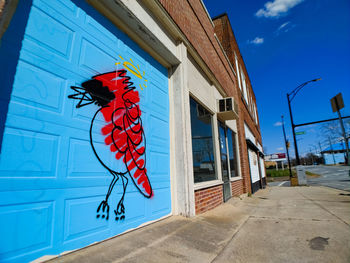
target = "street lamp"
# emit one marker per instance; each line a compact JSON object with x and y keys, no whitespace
{"x":286,"y":142}
{"x":290,"y":97}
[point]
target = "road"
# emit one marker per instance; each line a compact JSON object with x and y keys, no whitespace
{"x":331,"y":176}
{"x":279,"y":183}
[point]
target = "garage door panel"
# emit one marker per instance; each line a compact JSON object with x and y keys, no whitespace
{"x":65,"y":8}
{"x":27,"y":220}
{"x":24,"y":154}
{"x":50,"y":33}
{"x":76,"y":223}
{"x":93,"y":57}
{"x":47,"y":161}
{"x":39,"y":86}
{"x":91,"y":25}
{"x":159,"y":207}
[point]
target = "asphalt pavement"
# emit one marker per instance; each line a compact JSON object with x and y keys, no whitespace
{"x":331,"y":176}
{"x":277,"y":224}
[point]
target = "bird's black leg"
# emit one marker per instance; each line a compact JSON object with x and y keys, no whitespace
{"x":103,"y":208}
{"x":120,"y":211}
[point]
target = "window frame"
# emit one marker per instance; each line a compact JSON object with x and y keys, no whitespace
{"x":217,"y":180}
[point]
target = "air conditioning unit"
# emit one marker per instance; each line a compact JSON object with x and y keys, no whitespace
{"x":227,"y":109}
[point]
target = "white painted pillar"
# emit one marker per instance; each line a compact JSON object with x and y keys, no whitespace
{"x":180,"y":134}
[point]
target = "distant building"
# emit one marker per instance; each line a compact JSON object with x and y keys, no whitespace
{"x":334,"y":154}
{"x":275,"y":160}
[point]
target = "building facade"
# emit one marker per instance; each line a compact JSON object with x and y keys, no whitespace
{"x":251,"y":142}
{"x":110,"y":120}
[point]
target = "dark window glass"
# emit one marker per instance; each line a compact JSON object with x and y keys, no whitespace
{"x":223,"y":152}
{"x":202,"y":143}
{"x":231,"y":140}
{"x":222,"y":105}
{"x":228,"y":104}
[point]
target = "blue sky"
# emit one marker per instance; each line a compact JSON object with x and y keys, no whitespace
{"x":285,"y":43}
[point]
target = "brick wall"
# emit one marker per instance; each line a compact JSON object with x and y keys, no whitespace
{"x":226,"y":36}
{"x":237,"y":188}
{"x":208,"y":198}
{"x":192,"y":19}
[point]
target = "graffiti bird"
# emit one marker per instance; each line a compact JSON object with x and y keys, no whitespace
{"x":118,"y":103}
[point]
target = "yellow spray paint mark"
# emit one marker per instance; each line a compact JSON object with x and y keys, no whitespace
{"x":134,"y":69}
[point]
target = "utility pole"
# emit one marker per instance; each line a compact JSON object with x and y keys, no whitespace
{"x":337,"y":104}
{"x":287,"y":146}
{"x":345,"y":137}
{"x":312,"y":156}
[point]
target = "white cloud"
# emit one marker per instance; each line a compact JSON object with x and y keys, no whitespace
{"x":280,"y":149}
{"x":277,"y":8}
{"x":256,"y":41}
{"x":278,"y":124}
{"x":283,"y":25}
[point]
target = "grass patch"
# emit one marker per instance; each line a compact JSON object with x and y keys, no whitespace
{"x":311,"y":174}
{"x":279,"y":173}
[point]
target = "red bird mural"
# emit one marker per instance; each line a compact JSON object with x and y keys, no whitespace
{"x":123,"y":132}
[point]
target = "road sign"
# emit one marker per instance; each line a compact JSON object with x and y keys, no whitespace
{"x":337,"y":102}
{"x":300,"y":133}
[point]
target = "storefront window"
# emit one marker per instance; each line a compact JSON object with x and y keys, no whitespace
{"x":202,"y":143}
{"x":231,"y":140}
{"x":223,"y":151}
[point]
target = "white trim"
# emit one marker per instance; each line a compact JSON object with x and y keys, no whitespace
{"x":249,"y":135}
{"x":206,"y":11}
{"x":148,"y":34}
{"x":217,"y":150}
{"x":236,"y":178}
{"x":238,"y":73}
{"x":238,"y":156}
{"x":207,"y":184}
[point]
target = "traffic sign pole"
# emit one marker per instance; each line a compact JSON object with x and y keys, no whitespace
{"x":337,"y":104}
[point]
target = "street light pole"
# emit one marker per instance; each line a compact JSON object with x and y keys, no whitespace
{"x":293,"y":129}
{"x":287,"y":146}
{"x":290,"y":97}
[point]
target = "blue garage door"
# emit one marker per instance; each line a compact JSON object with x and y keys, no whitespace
{"x":85,"y":147}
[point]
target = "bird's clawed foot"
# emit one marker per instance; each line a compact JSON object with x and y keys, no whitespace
{"x":103,"y":210}
{"x":120,"y":212}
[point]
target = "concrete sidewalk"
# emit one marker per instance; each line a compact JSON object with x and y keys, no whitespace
{"x":278,"y":224}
